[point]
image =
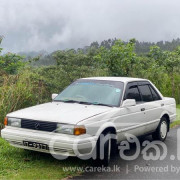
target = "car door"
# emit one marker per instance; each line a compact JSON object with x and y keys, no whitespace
{"x":152,"y":104}
{"x":131,"y":119}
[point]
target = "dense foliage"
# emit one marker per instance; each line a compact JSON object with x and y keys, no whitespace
{"x":26,"y":82}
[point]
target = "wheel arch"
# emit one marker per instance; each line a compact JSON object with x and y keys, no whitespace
{"x":106,"y":128}
{"x":109,"y":129}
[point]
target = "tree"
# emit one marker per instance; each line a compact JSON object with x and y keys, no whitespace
{"x":1,"y":38}
{"x":120,"y":59}
{"x":10,"y":63}
{"x":172,"y":64}
{"x":170,"y":60}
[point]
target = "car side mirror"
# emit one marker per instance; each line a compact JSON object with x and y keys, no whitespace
{"x":129,"y":103}
{"x":53,"y":96}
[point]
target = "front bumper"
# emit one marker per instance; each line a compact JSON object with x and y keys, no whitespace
{"x":61,"y":144}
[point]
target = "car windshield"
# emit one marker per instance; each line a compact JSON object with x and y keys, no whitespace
{"x":96,"y":92}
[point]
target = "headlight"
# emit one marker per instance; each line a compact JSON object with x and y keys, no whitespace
{"x":70,"y":129}
{"x":65,"y":129}
{"x":15,"y":122}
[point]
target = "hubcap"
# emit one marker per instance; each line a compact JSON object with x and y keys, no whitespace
{"x":163,"y":129}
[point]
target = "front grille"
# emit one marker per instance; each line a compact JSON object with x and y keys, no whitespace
{"x":38,"y":125}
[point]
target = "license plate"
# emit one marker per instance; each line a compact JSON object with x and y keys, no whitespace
{"x":36,"y":145}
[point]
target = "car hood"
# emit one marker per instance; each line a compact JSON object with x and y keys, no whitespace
{"x":70,"y":113}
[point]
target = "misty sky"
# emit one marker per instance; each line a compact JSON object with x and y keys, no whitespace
{"x":33,"y":25}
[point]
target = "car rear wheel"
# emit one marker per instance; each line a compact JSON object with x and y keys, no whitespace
{"x":161,"y":131}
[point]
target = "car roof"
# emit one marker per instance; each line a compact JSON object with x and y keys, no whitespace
{"x":121,"y":79}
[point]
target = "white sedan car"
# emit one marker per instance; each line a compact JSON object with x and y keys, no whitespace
{"x":74,"y":121}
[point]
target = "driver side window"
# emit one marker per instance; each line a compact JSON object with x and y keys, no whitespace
{"x":133,"y":93}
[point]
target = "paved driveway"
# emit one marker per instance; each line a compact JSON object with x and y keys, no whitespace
{"x":169,"y":168}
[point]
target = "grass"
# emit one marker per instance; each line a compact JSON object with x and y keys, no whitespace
{"x":177,"y":122}
{"x":18,"y":164}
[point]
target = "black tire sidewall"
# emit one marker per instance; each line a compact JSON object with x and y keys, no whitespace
{"x":105,"y":161}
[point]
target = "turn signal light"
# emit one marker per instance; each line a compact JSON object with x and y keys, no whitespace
{"x":5,"y":121}
{"x":78,"y":130}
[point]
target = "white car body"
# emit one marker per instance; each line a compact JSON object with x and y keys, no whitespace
{"x":139,"y":119}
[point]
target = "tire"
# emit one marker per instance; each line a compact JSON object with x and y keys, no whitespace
{"x":104,"y":149}
{"x":162,"y":130}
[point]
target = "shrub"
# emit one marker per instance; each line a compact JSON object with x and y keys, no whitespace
{"x":20,"y":91}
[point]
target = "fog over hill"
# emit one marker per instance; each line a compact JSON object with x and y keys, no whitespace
{"x":59,"y":24}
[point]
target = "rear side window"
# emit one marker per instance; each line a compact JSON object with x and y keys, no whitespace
{"x":155,"y":95}
{"x":133,"y":93}
{"x":146,"y":93}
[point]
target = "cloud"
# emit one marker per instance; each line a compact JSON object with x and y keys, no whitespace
{"x":58,"y":24}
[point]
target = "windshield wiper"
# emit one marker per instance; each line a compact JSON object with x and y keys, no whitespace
{"x":74,"y":101}
{"x":101,"y":104}
{"x":83,"y":102}
{"x":88,"y":103}
{"x":70,"y":101}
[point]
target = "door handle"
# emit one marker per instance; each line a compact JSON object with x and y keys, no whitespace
{"x":143,"y":109}
{"x":162,"y":104}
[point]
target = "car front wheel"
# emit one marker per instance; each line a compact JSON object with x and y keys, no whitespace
{"x":104,"y":149}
